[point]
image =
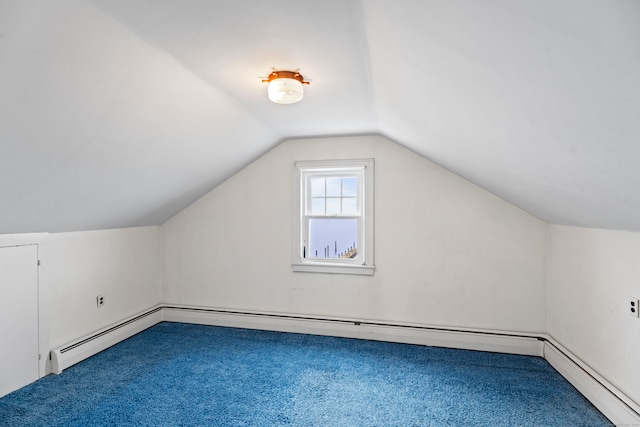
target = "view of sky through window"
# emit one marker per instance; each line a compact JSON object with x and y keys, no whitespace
{"x":332,"y":237}
{"x":333,"y":195}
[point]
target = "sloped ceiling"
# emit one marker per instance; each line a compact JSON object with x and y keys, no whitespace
{"x":120,"y":113}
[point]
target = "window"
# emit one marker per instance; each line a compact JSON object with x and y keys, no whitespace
{"x":333,"y":218}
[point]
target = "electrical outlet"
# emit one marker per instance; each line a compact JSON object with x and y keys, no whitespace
{"x":634,"y":308}
{"x":100,"y":300}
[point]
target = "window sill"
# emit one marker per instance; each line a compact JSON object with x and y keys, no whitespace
{"x":363,"y":270}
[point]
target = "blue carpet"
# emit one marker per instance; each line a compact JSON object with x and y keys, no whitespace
{"x":190,"y":375}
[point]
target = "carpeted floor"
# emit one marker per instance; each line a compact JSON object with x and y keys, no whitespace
{"x":190,"y":375}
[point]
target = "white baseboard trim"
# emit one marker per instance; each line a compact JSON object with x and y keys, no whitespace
{"x":501,"y":342}
{"x":613,"y":403}
{"x":85,"y":347}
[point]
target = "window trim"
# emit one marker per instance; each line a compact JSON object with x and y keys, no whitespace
{"x":365,"y":264}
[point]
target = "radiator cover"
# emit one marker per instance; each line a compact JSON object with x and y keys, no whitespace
{"x":72,"y":353}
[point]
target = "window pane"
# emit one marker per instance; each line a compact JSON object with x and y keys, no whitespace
{"x":333,"y":186}
{"x":333,"y":238}
{"x":349,"y":206}
{"x":317,"y":206}
{"x":333,"y":206}
{"x":317,"y":187}
{"x":349,"y":186}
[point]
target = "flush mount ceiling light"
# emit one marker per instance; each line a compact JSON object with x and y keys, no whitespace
{"x":285,"y":87}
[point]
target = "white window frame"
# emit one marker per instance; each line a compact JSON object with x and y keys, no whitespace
{"x":303,"y":171}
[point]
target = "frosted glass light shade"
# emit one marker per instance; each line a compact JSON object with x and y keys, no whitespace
{"x":285,"y":91}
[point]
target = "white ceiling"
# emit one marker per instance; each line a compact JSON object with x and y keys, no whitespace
{"x":119,"y":113}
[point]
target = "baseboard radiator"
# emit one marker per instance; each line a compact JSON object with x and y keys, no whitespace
{"x":72,"y":353}
{"x":482,"y":340}
{"x":614,"y":404}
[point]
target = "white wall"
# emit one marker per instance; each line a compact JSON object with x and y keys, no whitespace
{"x":122,"y":264}
{"x":592,"y":273}
{"x":447,"y":252}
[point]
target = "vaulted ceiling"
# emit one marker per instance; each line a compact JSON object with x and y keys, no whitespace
{"x":119,"y":113}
